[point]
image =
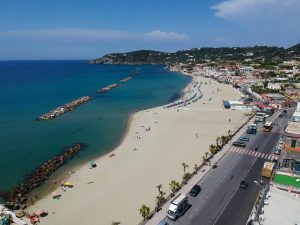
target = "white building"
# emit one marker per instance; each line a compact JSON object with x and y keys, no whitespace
{"x":274,"y":86}
{"x":246,"y":69}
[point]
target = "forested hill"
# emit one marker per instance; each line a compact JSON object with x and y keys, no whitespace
{"x":265,"y":53}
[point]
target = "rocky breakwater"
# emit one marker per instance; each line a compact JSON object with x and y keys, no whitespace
{"x":65,"y":108}
{"x":107,"y":88}
{"x":125,"y":79}
{"x":17,"y":197}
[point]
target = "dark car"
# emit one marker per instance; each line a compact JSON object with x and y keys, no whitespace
{"x":243,"y":138}
{"x":251,"y":131}
{"x":163,"y":222}
{"x":239,"y":143}
{"x":243,"y":184}
{"x":195,"y":190}
{"x":284,"y":111}
{"x":280,"y":115}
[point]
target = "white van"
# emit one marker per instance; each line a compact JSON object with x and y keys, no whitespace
{"x":178,"y":206}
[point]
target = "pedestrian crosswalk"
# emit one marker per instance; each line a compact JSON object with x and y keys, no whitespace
{"x":253,"y":153}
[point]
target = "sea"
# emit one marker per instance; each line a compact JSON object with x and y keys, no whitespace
{"x":30,"y":88}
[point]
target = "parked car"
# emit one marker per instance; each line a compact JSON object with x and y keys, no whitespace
{"x":243,"y":138}
{"x":164,"y":222}
{"x":195,"y":190}
{"x":251,"y":131}
{"x":239,"y":143}
{"x":284,"y":111}
{"x":280,"y":115}
{"x":243,"y":184}
{"x":277,"y":151}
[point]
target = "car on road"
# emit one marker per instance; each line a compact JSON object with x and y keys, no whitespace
{"x":243,"y":138}
{"x":239,"y":144}
{"x":284,"y":111}
{"x":251,"y":131}
{"x":164,"y":222}
{"x":243,"y":184}
{"x":277,"y":151}
{"x":195,"y":190}
{"x":280,"y":115}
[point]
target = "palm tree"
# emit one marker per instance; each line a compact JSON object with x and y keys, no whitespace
{"x":184,"y":166}
{"x":144,"y":211}
{"x":218,"y":139}
{"x":159,"y":187}
{"x":204,"y":160}
{"x":224,"y":139}
{"x":174,"y":186}
{"x":206,"y":155}
{"x":229,"y":132}
{"x":196,"y":167}
{"x":213,"y":149}
{"x":116,"y":223}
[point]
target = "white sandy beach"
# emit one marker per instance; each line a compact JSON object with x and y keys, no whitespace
{"x":121,"y":184}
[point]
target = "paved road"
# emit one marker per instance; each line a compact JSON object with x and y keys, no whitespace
{"x":221,"y":201}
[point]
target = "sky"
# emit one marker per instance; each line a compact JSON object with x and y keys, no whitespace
{"x":87,"y":29}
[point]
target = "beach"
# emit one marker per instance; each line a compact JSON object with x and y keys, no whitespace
{"x":155,"y":145}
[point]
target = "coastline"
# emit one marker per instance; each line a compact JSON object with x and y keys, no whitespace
{"x":65,"y":172}
{"x":104,"y":159}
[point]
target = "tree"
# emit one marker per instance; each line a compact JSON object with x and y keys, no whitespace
{"x":174,"y":186}
{"x":206,"y":155}
{"x":116,"y":223}
{"x":144,"y":211}
{"x":185,"y":178}
{"x":159,"y":187}
{"x":196,"y":167}
{"x":224,"y":139}
{"x":213,"y":149}
{"x":218,"y":139}
{"x":229,"y":132}
{"x":184,"y":165}
{"x":204,"y":160}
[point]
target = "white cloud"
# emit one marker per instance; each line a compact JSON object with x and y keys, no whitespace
{"x":252,"y":10}
{"x":166,"y":36}
{"x":90,"y":34}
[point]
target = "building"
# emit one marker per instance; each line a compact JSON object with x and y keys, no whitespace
{"x":246,"y":69}
{"x":290,"y":154}
{"x":274,"y":86}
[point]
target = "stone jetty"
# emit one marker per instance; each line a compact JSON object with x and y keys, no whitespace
{"x":17,"y":197}
{"x":125,"y":79}
{"x":107,"y":88}
{"x":65,"y":108}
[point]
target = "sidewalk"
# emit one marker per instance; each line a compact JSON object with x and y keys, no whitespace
{"x":157,"y":217}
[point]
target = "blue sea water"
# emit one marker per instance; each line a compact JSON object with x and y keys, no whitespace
{"x":31,"y":88}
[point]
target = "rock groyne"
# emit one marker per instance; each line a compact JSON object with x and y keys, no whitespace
{"x":17,"y":197}
{"x":107,"y":88}
{"x":65,"y":108}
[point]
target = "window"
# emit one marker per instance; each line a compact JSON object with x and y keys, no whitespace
{"x":294,"y":143}
{"x":286,"y":163}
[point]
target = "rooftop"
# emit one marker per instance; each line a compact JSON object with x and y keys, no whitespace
{"x":293,"y":128}
{"x":282,"y":208}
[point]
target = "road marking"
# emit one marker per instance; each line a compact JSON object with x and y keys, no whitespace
{"x":262,"y":155}
{"x":259,"y":154}
{"x":270,"y":157}
{"x":216,"y":220}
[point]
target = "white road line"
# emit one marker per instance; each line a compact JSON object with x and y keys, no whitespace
{"x":270,"y":157}
{"x":259,"y":154}
{"x":216,"y":220}
{"x":245,"y":151}
{"x":262,"y":155}
{"x":253,"y":153}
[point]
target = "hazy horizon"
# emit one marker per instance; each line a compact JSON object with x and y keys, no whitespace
{"x":62,"y":30}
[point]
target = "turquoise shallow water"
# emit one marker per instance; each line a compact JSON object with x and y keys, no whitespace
{"x":31,"y":88}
